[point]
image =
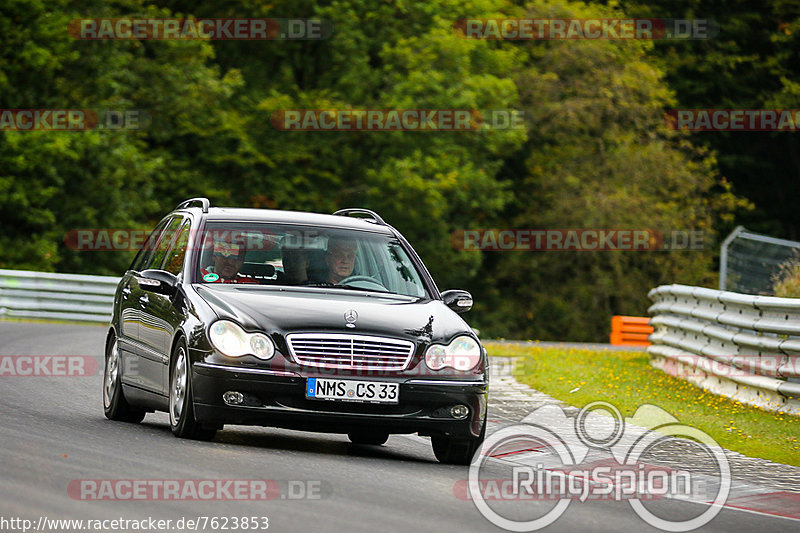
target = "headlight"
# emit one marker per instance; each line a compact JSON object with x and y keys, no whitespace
{"x":233,"y":341}
{"x":463,"y":353}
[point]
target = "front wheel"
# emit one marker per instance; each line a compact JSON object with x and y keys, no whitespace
{"x":457,"y":451}
{"x":181,"y":407}
{"x":115,"y":406}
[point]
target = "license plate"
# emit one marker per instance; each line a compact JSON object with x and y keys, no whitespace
{"x":352,"y":390}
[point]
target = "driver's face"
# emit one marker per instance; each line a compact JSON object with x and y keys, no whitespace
{"x":228,"y":267}
{"x":340,"y":259}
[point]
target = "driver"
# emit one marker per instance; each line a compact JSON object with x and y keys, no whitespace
{"x":228,"y":258}
{"x":340,"y":259}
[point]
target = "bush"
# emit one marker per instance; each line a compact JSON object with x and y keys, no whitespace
{"x":786,"y":283}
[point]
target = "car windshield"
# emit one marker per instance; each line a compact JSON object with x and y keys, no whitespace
{"x":286,"y":255}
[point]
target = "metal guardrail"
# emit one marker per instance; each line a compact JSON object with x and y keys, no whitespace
{"x":741,"y":346}
{"x":28,"y":294}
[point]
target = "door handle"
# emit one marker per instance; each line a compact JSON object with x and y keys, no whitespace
{"x":144,"y":300}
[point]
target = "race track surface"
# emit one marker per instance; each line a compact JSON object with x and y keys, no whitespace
{"x":54,"y":434}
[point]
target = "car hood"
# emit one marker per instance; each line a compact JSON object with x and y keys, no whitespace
{"x":323,"y":310}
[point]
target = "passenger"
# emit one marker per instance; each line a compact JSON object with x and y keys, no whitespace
{"x":228,"y":259}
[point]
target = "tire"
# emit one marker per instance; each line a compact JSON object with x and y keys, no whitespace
{"x":115,"y":406}
{"x":181,"y":406}
{"x":457,"y":451}
{"x":371,"y":438}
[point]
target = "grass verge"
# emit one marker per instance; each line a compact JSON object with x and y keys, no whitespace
{"x":53,"y":321}
{"x":626,"y":379}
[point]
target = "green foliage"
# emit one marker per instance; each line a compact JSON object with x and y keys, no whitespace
{"x":787,"y":281}
{"x":598,"y":156}
{"x":594,"y":153}
{"x":54,"y":182}
{"x":754,"y":63}
{"x":426,"y":183}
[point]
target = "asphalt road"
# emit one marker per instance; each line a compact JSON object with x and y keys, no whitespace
{"x":54,"y":432}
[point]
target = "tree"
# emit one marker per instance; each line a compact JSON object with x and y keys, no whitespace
{"x":598,"y":156}
{"x":52,"y":182}
{"x":753,"y":63}
{"x":380,"y":56}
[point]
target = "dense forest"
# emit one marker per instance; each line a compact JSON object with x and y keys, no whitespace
{"x":595,"y":150}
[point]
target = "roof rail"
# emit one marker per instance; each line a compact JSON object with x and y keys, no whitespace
{"x":376,"y":218}
{"x":203,"y":201}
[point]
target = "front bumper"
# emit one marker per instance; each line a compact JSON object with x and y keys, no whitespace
{"x":274,"y":398}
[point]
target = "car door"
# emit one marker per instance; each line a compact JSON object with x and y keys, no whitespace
{"x":153,"y":328}
{"x":130,"y":307}
{"x":161,"y":310}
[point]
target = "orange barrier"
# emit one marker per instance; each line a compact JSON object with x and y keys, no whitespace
{"x":630,"y":330}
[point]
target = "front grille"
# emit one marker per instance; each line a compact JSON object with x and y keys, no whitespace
{"x":357,"y":352}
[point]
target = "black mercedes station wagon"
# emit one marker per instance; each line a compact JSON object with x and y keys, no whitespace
{"x":326,"y":323}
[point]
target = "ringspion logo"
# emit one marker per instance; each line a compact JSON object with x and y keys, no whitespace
{"x":597,"y":455}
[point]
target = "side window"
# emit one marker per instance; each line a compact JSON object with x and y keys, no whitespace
{"x":177,"y":254}
{"x":144,"y":255}
{"x":167,"y":236}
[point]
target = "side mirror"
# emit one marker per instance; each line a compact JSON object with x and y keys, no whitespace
{"x":457,"y":300}
{"x":158,"y":281}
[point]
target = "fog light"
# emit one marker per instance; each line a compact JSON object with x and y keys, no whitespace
{"x":233,"y":398}
{"x":459,"y":411}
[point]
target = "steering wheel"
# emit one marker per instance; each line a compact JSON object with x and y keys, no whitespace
{"x":369,"y":280}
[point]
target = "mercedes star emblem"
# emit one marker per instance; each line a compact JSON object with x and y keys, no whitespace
{"x":350,"y":317}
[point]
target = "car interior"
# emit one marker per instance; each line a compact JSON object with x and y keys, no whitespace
{"x":281,"y":264}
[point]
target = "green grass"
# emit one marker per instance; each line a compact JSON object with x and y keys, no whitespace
{"x":626,"y":380}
